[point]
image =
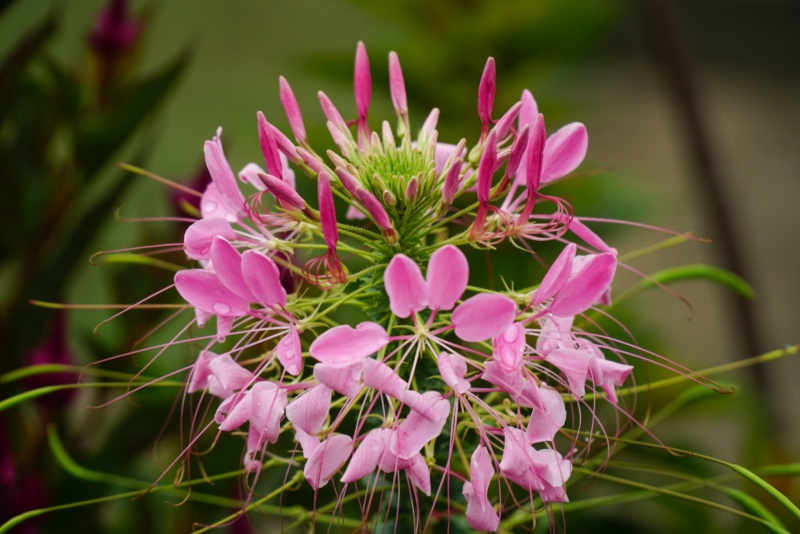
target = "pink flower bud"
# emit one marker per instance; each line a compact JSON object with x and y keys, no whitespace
{"x":397,"y":86}
{"x":486,"y":91}
{"x":292,"y":111}
{"x":362,"y":82}
{"x":283,"y":192}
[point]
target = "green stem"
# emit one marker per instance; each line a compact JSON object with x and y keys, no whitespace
{"x":34,"y":393}
{"x":763,"y":358}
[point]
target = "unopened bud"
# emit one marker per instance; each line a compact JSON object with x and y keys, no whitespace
{"x":412,"y":189}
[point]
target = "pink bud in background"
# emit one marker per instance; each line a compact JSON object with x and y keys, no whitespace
{"x":114,"y":31}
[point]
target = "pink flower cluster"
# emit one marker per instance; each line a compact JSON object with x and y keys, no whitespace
{"x":438,"y":374}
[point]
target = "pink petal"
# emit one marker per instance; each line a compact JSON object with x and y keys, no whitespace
{"x":227,"y":376}
{"x":555,"y":333}
{"x":263,"y":278}
{"x":249,"y":175}
{"x":518,"y":150}
{"x":344,"y":345}
{"x":223,"y":177}
{"x":442,"y":153}
{"x":233,"y":412}
{"x":214,"y":205}
{"x":608,"y":374}
{"x":390,"y":462}
{"x":529,"y":110}
{"x":224,"y":327}
{"x":289,"y":352}
{"x":536,"y":149}
{"x":326,"y":459}
{"x":203,"y":290}
{"x":508,"y":347}
{"x":227,"y":264}
{"x":504,"y":123}
{"x":452,"y":367}
{"x":448,"y":273}
{"x":198,"y":237}
{"x":551,"y":467}
{"x":588,"y":236}
{"x":200,"y":372}
{"x":307,"y":442}
{"x":549,"y":412}
{"x":345,"y":380}
{"x":417,"y":429}
{"x":268,"y":403}
{"x":419,"y":474}
{"x":354,"y":214}
{"x":515,"y":460}
{"x":368,"y":455}
{"x":381,"y":377}
{"x":483,"y":316}
{"x":528,"y":113}
{"x":407,"y":290}
{"x":586,"y":287}
{"x":511,"y":383}
{"x":309,"y":411}
{"x":564,"y":151}
{"x":556,"y":276}
{"x":480,"y":514}
{"x":575,"y":365}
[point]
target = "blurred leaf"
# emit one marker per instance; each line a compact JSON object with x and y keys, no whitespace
{"x":752,"y":505}
{"x":687,"y":272}
{"x":138,"y":259}
{"x":104,"y":135}
{"x":692,"y":272}
{"x":19,"y":58}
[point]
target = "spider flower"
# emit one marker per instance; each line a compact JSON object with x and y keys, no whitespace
{"x":423,"y":369}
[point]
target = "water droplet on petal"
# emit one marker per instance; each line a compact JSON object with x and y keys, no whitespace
{"x":208,"y":207}
{"x":221,"y":308}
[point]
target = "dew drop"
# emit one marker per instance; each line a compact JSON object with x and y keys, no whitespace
{"x":208,"y":207}
{"x":221,"y":308}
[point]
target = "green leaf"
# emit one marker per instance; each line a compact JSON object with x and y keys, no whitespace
{"x":137,"y":259}
{"x":725,"y":278}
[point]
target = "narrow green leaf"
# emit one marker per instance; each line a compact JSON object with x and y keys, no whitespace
{"x":38,"y":392}
{"x":752,"y":505}
{"x":766,"y":486}
{"x":137,"y":259}
{"x":725,"y":278}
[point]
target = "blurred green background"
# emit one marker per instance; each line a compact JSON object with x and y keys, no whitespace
{"x":598,"y":62}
